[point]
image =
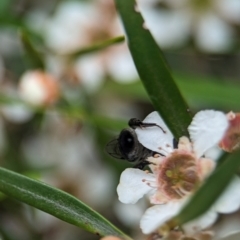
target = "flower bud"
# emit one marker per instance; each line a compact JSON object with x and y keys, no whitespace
{"x":38,"y":88}
{"x":231,"y":140}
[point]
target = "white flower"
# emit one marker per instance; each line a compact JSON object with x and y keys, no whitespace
{"x":74,"y":26}
{"x":209,"y":22}
{"x":67,"y":30}
{"x":115,"y":61}
{"x":177,"y":174}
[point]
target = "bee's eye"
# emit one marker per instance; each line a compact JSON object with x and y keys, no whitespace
{"x":126,"y":141}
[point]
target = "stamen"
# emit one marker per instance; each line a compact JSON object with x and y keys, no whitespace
{"x":178,"y":191}
{"x":150,"y":183}
{"x":166,"y":151}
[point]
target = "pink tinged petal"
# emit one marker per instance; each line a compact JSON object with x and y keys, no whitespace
{"x":154,"y":138}
{"x":158,"y":197}
{"x":231,"y":140}
{"x":156,"y":161}
{"x":200,"y":223}
{"x":207,"y":129}
{"x":205,"y":167}
{"x":134,"y":185}
{"x":229,"y":201}
{"x":157,"y":215}
{"x":184,"y":144}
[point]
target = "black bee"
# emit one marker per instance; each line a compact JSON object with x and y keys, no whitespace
{"x":127,"y":146}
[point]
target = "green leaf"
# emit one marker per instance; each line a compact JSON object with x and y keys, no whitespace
{"x":153,"y":70}
{"x":211,"y":189}
{"x":96,"y":47}
{"x":56,"y":203}
{"x":209,"y":91}
{"x":198,"y":90}
{"x":34,"y":57}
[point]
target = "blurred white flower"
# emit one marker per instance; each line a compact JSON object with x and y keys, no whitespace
{"x":115,"y":61}
{"x":119,"y":64}
{"x":38,"y":88}
{"x":67,"y":30}
{"x":213,"y":34}
{"x":169,"y":28}
{"x":90,"y":72}
{"x":17,"y":112}
{"x":208,"y":21}
{"x":177,"y":173}
{"x":229,"y":9}
{"x":70,"y":155}
{"x":128,"y":214}
{"x":10,"y":42}
{"x":74,"y":26}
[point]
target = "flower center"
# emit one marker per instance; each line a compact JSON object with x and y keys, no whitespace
{"x":178,"y":175}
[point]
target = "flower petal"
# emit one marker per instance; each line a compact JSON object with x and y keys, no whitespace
{"x":157,"y":215}
{"x":229,"y":201}
{"x":219,"y":33}
{"x":205,"y":167}
{"x":133,"y":185}
{"x":214,"y":153}
{"x":154,"y":138}
{"x":200,"y":223}
{"x":207,"y":129}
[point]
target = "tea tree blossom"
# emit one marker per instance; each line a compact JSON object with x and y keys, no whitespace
{"x":178,"y":172}
{"x":74,"y":26}
{"x":38,"y":88}
{"x":173,"y":22}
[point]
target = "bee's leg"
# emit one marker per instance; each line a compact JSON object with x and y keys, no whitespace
{"x":175,"y":143}
{"x":134,"y":123}
{"x":141,"y":165}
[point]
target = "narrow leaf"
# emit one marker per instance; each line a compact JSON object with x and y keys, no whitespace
{"x":97,"y":46}
{"x":56,"y":203}
{"x":153,"y":70}
{"x":34,"y":57}
{"x":211,"y":190}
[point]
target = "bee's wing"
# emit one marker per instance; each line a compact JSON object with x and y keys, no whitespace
{"x":154,"y":138}
{"x":112,"y":148}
